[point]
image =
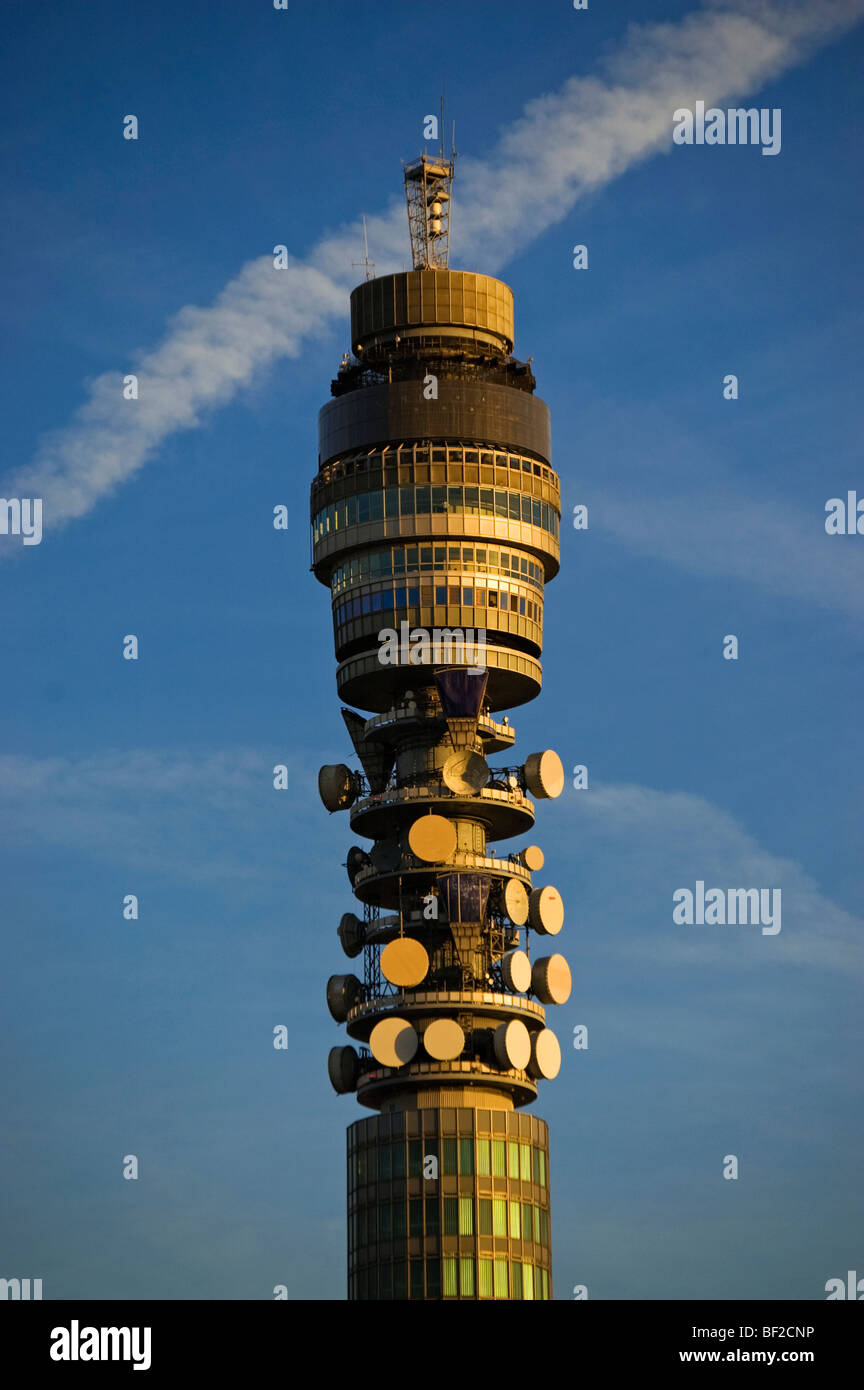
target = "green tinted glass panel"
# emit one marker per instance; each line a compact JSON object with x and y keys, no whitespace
{"x":466,"y":1216}
{"x":451,"y":1216}
{"x":499,"y":1216}
{"x":415,"y":1216}
{"x":516,"y":1220}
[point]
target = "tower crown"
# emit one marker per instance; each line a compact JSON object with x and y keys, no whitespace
{"x":455,"y":305}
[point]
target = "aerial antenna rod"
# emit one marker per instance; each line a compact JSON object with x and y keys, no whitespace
{"x":369,"y":265}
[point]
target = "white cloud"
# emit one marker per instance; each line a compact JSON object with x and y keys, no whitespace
{"x":207,"y":816}
{"x":217,"y":813}
{"x":565,"y":144}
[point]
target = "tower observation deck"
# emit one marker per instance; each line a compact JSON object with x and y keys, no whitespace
{"x":435,"y":526}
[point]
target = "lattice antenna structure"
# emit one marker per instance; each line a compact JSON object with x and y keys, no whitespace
{"x":428,"y":192}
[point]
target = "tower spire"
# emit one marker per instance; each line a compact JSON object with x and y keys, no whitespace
{"x":428,"y":193}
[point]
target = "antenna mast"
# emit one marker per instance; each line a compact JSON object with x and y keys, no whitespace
{"x":369,"y":265}
{"x":428,"y":192}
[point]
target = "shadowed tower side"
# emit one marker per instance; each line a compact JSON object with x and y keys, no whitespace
{"x":435,"y":521}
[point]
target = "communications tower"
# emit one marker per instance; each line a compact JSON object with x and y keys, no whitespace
{"x":435,"y":526}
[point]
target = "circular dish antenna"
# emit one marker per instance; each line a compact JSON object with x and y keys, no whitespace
{"x":444,"y":1039}
{"x":533,"y":858}
{"x":551,"y":980}
{"x":386,"y":856}
{"x":351,"y":933}
{"x":544,"y":774}
{"x":512,"y":1043}
{"x":343,"y":992}
{"x":357,"y":860}
{"x":546,"y":911}
{"x":516,"y":902}
{"x":405,"y":962}
{"x":465,"y":773}
{"x":516,"y":971}
{"x":433,"y":839}
{"x":337,"y":787}
{"x":343,"y":1065}
{"x":393,"y":1042}
{"x":545,"y":1055}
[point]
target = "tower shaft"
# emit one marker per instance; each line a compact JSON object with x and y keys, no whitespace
{"x":435,"y":518}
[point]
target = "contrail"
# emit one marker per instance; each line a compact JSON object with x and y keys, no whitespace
{"x":564,"y":145}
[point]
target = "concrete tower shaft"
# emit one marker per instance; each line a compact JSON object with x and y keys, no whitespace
{"x":435,"y":523}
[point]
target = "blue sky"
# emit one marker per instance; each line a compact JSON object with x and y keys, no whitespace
{"x":706,"y":517}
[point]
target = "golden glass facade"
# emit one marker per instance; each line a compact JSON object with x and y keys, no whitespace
{"x":478,"y":1229}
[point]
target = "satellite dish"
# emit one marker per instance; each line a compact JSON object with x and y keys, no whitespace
{"x":343,"y":1064}
{"x":444,"y":1039}
{"x":337,"y":786}
{"x":357,"y":859}
{"x":405,"y":962}
{"x":516,"y":971}
{"x":545,"y":1055}
{"x":386,"y":856}
{"x":546,"y":911}
{"x":516,"y":901}
{"x":551,"y":980}
{"x":433,"y":839}
{"x":343,"y":992}
{"x":533,"y":858}
{"x":544,"y":774}
{"x":512,"y":1043}
{"x":352,"y":933}
{"x":393,"y":1042}
{"x":465,"y":773}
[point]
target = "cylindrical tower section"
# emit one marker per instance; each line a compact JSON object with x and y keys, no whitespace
{"x":448,"y":1202}
{"x":435,"y":525}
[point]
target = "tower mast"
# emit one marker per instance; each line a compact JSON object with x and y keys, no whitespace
{"x":435,"y":526}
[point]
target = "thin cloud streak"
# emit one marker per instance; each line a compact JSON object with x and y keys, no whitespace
{"x":637,"y":845}
{"x":217,"y":812}
{"x":565,"y":145}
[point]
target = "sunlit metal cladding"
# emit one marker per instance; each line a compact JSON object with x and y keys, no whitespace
{"x":435,"y":525}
